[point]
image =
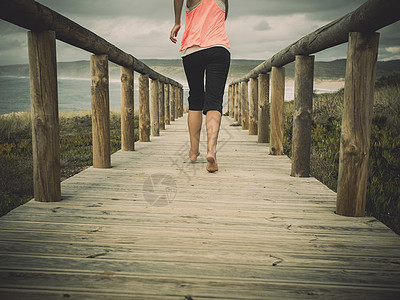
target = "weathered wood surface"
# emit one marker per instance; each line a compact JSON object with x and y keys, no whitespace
{"x":356,"y":123}
{"x":144,"y":109}
{"x":253,"y":107}
{"x":127,"y":110}
{"x":236,"y":102}
{"x":263,"y":108}
{"x":302,"y":115}
{"x":277,"y":100}
{"x":161,"y":105}
{"x":167,"y":112}
{"x":100,"y":111}
{"x":244,"y":104}
{"x":154,"y":108}
{"x":44,"y":111}
{"x":249,"y":231}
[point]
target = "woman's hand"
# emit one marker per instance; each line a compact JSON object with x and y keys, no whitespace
{"x":174,"y":33}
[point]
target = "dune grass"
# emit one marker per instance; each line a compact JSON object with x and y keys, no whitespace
{"x":16,"y":169}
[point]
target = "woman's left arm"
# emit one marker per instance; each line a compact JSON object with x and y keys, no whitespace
{"x":226,"y":9}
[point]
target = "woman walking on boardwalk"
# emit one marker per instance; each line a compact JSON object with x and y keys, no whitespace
{"x":204,"y":50}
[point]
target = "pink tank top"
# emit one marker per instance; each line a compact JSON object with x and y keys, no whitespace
{"x":205,"y":26}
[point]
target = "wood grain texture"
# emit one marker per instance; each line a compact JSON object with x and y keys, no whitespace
{"x":176,"y":101}
{"x":44,"y":112}
{"x":244,"y":107}
{"x":127,"y":110}
{"x":154,"y":108}
{"x":161,"y":105}
{"x":167,"y":90}
{"x":172,"y":102}
{"x":253,"y":107}
{"x":302,"y":115}
{"x":144,"y":109}
{"x":277,"y":100}
{"x":100,"y":111}
{"x":263,"y":108}
{"x":356,"y":123}
{"x":158,"y":227}
{"x":236,"y":104}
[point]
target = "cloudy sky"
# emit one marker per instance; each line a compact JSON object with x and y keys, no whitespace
{"x":257,"y":28}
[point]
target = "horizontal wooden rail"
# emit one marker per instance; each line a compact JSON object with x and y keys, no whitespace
{"x":37,"y":17}
{"x":369,"y":17}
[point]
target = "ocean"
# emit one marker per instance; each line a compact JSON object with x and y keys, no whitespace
{"x":74,"y":94}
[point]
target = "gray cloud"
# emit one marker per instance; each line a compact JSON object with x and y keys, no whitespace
{"x":263,"y":25}
{"x":257,"y":28}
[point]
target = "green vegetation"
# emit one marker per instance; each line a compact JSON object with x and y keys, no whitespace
{"x":383,"y":192}
{"x":16,"y":186}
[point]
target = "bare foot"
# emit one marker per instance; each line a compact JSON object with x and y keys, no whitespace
{"x":193,"y":157}
{"x":212,"y":165}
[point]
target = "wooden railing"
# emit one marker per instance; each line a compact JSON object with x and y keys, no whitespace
{"x":358,"y":28}
{"x":45,"y":27}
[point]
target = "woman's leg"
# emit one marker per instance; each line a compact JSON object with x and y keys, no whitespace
{"x":213,"y":123}
{"x":194,"y":123}
{"x":194,"y":66}
{"x":218,"y":62}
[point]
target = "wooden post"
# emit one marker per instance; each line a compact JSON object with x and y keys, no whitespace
{"x":277,"y":100}
{"x":356,"y":123}
{"x":302,"y":116}
{"x":144,"y":113}
{"x":127,"y":110}
{"x":181,"y":102}
{"x":263,"y":108}
{"x":100,"y":111}
{"x":230,"y":101}
{"x":239,"y":101}
{"x":235,"y":104}
{"x":167,"y":104}
{"x":182,"y":110}
{"x":172,"y":102}
{"x":161,"y":105}
{"x":44,"y":110}
{"x":245,"y":104}
{"x":176,"y":102}
{"x":154,"y":111}
{"x":253,"y":112}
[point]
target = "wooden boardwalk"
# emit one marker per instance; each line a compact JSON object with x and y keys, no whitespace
{"x":157,"y":227}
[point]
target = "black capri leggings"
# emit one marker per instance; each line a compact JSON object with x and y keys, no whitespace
{"x":215,"y":63}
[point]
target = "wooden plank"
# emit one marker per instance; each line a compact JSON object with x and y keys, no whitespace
{"x":257,"y":234}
